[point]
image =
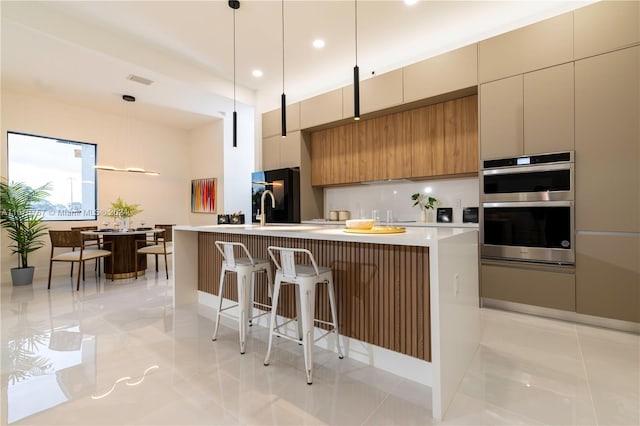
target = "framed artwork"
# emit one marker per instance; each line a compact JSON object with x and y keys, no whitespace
{"x":203,"y":195}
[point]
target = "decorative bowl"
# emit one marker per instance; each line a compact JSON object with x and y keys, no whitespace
{"x":360,"y":223}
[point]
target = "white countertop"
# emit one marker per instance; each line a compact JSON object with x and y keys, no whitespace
{"x":416,"y":236}
{"x":404,"y":224}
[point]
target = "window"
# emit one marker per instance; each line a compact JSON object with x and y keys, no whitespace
{"x":67,"y":165}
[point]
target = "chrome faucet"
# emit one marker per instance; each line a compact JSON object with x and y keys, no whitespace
{"x":262,"y":215}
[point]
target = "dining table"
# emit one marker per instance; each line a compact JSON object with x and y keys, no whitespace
{"x":123,"y":245}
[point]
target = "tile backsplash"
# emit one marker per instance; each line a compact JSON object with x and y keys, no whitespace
{"x":396,"y":196}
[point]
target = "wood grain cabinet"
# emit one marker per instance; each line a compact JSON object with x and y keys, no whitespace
{"x":608,"y":275}
{"x":372,"y":149}
{"x":608,"y":142}
{"x":425,"y":132}
{"x":461,"y":136}
{"x":334,"y":156}
{"x":435,"y":140}
{"x":444,"y":138}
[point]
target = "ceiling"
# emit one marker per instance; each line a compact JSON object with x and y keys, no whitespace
{"x":83,"y":51}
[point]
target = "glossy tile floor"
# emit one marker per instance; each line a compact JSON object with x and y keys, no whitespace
{"x":117,"y":354}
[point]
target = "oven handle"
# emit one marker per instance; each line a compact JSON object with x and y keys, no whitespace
{"x":529,"y":204}
{"x":528,"y":169}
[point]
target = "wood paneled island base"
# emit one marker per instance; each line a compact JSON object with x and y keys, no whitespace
{"x":382,"y":290}
{"x":407,"y":302}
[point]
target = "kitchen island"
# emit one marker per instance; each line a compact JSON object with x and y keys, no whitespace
{"x":407,"y":302}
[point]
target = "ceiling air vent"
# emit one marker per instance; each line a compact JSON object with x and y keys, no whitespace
{"x":139,"y":79}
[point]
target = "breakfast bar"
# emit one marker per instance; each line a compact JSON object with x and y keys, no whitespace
{"x":407,"y":301}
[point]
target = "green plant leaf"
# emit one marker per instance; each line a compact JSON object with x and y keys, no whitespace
{"x":24,"y":225}
{"x":121,"y":209}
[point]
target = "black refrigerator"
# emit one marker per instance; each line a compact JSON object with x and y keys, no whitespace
{"x":285,"y":185}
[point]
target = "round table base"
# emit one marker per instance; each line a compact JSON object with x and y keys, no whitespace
{"x":123,"y":275}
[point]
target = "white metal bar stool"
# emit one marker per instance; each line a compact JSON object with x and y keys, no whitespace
{"x":245,"y":267}
{"x":305,"y":277}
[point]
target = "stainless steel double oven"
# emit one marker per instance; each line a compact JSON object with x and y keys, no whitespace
{"x":527,"y":208}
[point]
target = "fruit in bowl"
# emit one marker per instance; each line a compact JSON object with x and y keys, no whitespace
{"x":360,"y":223}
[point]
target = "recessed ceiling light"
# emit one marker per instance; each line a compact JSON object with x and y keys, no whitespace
{"x":410,"y":2}
{"x":318,"y":43}
{"x":256,"y":73}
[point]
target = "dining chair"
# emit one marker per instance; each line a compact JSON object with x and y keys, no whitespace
{"x":159,"y":244}
{"x":88,"y":238}
{"x":71,"y":240}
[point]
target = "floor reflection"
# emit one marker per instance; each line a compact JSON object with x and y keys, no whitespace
{"x":117,"y":353}
{"x":46,"y":364}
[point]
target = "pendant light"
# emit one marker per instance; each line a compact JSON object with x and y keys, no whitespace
{"x":356,"y":73}
{"x":234,"y":4}
{"x":283,"y":98}
{"x":109,"y":168}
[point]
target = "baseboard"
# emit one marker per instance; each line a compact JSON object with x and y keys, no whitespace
{"x":405,"y":366}
{"x":626,"y":326}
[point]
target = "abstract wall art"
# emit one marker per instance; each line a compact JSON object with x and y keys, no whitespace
{"x":203,"y":195}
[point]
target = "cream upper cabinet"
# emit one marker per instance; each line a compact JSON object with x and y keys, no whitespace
{"x":376,"y":93}
{"x":279,"y":152}
{"x":608,"y":141}
{"x":290,"y":150}
{"x":271,"y":152}
{"x":528,"y":114}
{"x":533,"y":47}
{"x":606,"y":26}
{"x":272,"y":121}
{"x":321,"y":109}
{"x":549,"y":110}
{"x":445,"y":73}
{"x":501,"y":118}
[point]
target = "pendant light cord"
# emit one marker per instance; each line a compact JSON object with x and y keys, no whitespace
{"x":356,"y":27}
{"x":234,"y":59}
{"x":282,"y":46}
{"x":283,"y":97}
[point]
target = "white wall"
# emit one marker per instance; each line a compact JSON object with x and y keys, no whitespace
{"x":239,"y":161}
{"x":396,"y":196}
{"x":206,"y":154}
{"x":164,"y":198}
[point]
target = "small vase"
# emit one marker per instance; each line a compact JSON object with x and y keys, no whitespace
{"x":426,"y":216}
{"x":124,"y":224}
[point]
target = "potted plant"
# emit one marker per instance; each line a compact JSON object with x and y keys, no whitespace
{"x":425,"y":202}
{"x":122,"y":211}
{"x":23,"y":224}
